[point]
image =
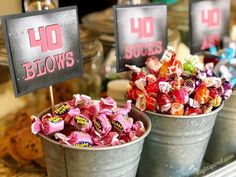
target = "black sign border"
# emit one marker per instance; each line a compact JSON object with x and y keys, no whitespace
{"x":190,"y":4}
{"x":9,"y":52}
{"x":115,"y":7}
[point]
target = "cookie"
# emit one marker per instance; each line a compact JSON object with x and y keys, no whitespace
{"x":5,"y":141}
{"x":4,"y":147}
{"x":13,"y":153}
{"x":22,"y":120}
{"x":10,"y":131}
{"x":28,"y":146}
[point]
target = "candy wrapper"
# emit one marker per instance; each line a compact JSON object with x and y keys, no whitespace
{"x":223,"y":60}
{"x":62,"y":110}
{"x":170,"y":87}
{"x":80,"y":100}
{"x":102,"y":124}
{"x":47,"y":125}
{"x":82,"y":122}
{"x":112,"y":138}
{"x":122,"y":123}
{"x":78,"y":139}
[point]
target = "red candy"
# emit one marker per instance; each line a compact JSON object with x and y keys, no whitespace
{"x":137,"y":72}
{"x":163,"y":102}
{"x":151,"y":103}
{"x":202,"y":94}
{"x":171,"y":87}
{"x":176,"y":68}
{"x":193,"y":111}
{"x":213,"y":93}
{"x":133,"y":93}
{"x":152,"y":89}
{"x":180,"y":95}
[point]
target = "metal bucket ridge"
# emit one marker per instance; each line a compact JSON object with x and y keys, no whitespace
{"x":115,"y":161}
{"x":223,"y":139}
{"x":176,"y":145}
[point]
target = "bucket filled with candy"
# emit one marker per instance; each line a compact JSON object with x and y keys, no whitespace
{"x":182,"y":100}
{"x":222,"y":143}
{"x":90,"y":138}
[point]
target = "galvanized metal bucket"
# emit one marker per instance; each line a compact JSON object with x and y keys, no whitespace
{"x":222,"y":143}
{"x":117,"y":161}
{"x":176,"y":145}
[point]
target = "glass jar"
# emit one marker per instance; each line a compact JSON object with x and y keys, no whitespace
{"x":174,"y":36}
{"x":92,"y":50}
{"x":37,"y":5}
{"x":178,"y":14}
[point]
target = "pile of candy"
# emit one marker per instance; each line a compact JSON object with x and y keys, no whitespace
{"x":170,"y":87}
{"x":83,"y":122}
{"x":225,"y":60}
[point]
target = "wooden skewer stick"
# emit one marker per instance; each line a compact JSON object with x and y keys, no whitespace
{"x":52,"y":98}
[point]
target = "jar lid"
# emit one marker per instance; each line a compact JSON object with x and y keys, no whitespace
{"x":117,"y":89}
{"x":102,"y":21}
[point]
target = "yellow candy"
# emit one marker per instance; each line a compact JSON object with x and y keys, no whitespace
{"x":216,"y":102}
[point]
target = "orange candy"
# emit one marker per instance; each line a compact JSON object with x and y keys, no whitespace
{"x":202,"y":94}
{"x":164,"y":70}
{"x":177,"y":109}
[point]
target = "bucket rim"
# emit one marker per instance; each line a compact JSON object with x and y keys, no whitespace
{"x":95,"y":148}
{"x":186,"y":116}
